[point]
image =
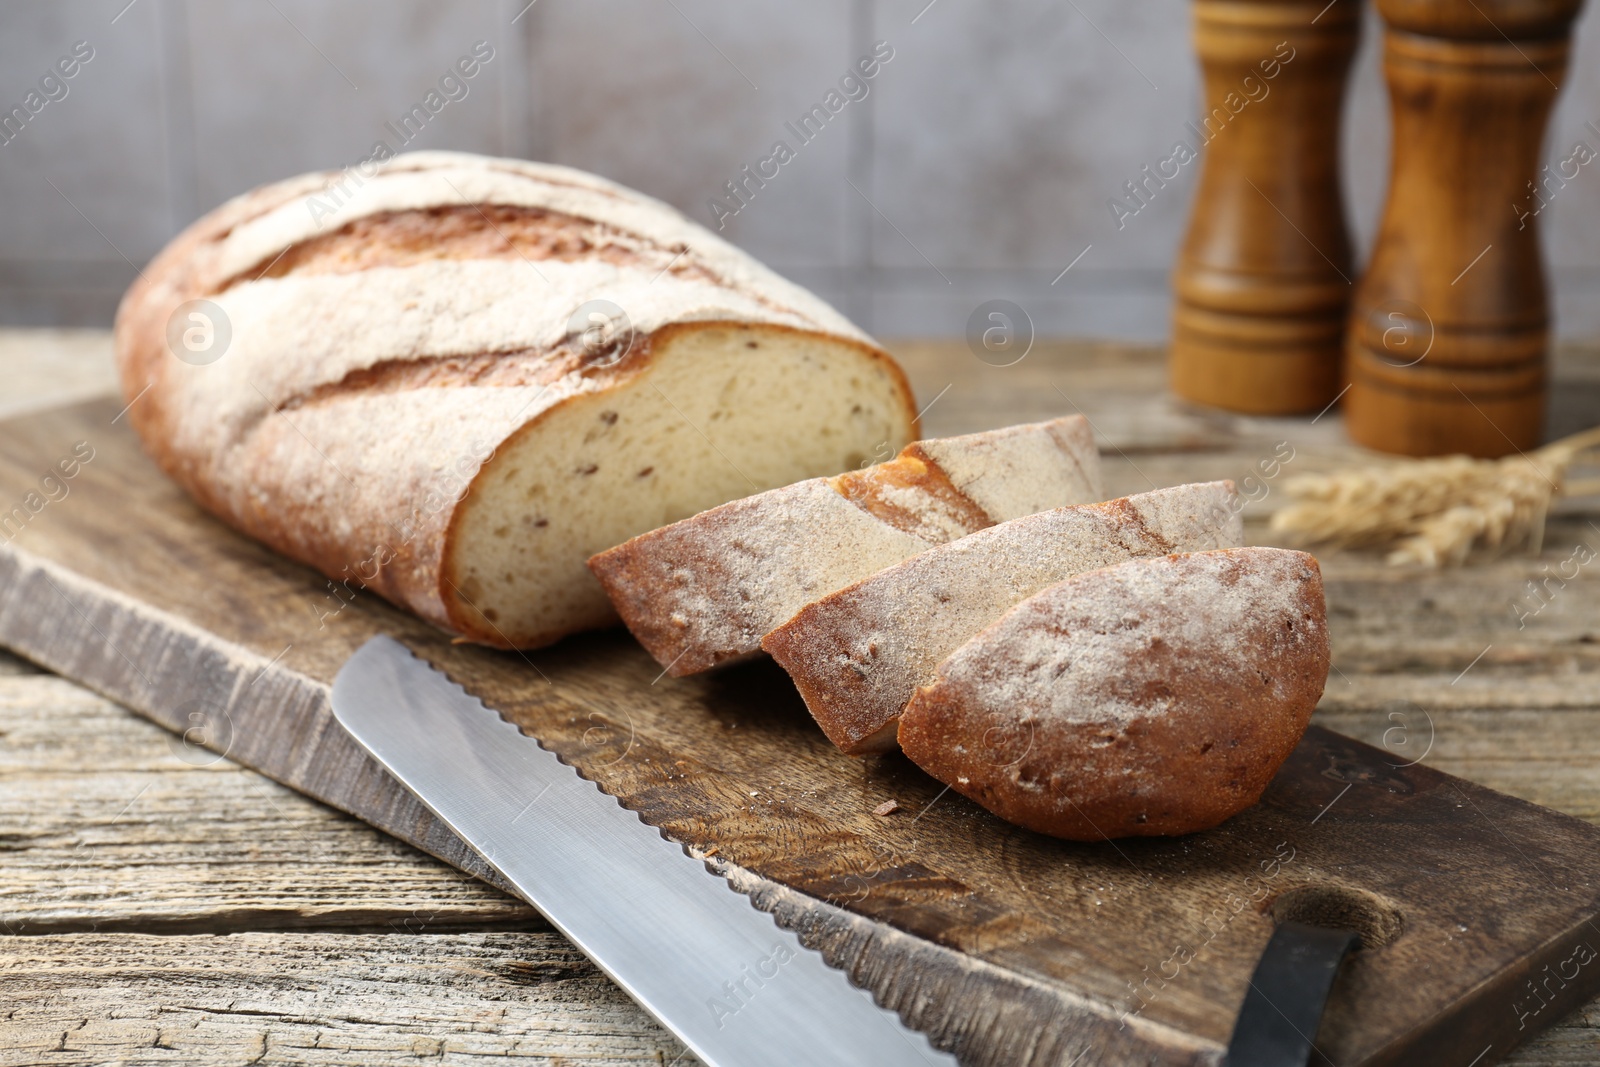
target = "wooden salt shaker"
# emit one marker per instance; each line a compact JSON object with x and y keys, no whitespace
{"x":1263,"y":280}
{"x":1449,"y":326}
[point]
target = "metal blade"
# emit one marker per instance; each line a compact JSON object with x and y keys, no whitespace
{"x":736,"y":988}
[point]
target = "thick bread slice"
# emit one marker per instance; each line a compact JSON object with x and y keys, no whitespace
{"x":412,"y":391}
{"x":705,"y":590}
{"x":859,"y":654}
{"x":1159,"y":696}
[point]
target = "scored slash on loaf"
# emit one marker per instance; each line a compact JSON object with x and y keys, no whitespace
{"x":705,"y":591}
{"x":858,"y":654}
{"x":1159,"y":696}
{"x":409,"y":396}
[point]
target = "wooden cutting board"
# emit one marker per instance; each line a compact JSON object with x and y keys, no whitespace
{"x":1008,"y":947}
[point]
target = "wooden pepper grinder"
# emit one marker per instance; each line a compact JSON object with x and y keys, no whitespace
{"x":1450,"y":325}
{"x":1264,"y":277}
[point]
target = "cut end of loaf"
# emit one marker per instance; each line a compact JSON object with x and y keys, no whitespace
{"x":715,"y":413}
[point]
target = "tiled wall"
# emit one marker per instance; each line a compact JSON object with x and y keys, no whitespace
{"x":978,"y":165}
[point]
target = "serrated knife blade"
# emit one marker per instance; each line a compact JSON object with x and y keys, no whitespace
{"x":735,"y":988}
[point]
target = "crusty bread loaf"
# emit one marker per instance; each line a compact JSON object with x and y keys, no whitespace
{"x":410,"y":402}
{"x":705,"y":590}
{"x":858,"y":655}
{"x":1158,"y":696}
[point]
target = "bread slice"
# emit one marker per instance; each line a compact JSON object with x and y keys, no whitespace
{"x":451,"y":379}
{"x":705,"y":590}
{"x":1158,"y":696}
{"x":859,"y":654}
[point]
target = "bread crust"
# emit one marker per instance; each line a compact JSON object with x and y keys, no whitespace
{"x":858,"y":654}
{"x":405,"y":390}
{"x":704,"y":591}
{"x":1159,"y":696}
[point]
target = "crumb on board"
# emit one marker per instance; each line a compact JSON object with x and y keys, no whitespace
{"x":888,"y":807}
{"x":712,"y":851}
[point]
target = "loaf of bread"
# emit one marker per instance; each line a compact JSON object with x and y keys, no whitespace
{"x":705,"y":590}
{"x":451,"y":379}
{"x":1158,"y":696}
{"x":859,"y":654}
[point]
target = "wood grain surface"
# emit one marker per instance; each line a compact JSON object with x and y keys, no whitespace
{"x":1263,"y":277}
{"x":1541,"y":675}
{"x":1450,"y":323}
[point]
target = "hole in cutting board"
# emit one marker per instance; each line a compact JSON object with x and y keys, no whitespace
{"x":1339,"y":907}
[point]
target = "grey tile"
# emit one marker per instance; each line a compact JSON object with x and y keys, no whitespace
{"x":1005,"y":127}
{"x":295,"y":85}
{"x":77,"y":306}
{"x":1365,"y":138}
{"x":61,"y":292}
{"x":1571,"y":224}
{"x":1576,"y":305}
{"x":692,"y":92}
{"x":86,"y":177}
{"x":987,"y":148}
{"x":1131,"y":304}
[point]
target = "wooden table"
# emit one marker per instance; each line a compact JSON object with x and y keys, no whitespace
{"x":168,"y":912}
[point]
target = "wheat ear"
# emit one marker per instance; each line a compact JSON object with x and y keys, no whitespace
{"x":1433,"y":512}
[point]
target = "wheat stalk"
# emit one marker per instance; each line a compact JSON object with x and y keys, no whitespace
{"x":1435,"y":511}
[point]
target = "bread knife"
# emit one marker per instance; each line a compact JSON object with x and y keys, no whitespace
{"x":736,"y":989}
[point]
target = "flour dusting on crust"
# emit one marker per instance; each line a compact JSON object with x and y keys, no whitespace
{"x":706,"y":590}
{"x":859,"y":654}
{"x":1158,"y":696}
